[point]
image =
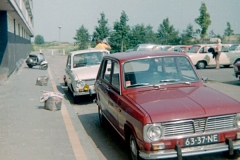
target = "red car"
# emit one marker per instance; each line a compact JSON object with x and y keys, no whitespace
{"x":236,"y":67}
{"x":157,"y":103}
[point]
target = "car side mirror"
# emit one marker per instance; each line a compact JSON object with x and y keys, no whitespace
{"x":205,"y":79}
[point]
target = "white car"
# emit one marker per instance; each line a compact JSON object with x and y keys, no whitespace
{"x":81,"y":71}
{"x":201,"y":57}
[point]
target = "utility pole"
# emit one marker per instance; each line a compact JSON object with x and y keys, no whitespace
{"x":59,"y":34}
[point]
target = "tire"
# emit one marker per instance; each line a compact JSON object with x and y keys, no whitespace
{"x":29,"y":65}
{"x":201,"y":65}
{"x":134,"y":151}
{"x":69,"y":90}
{"x":101,"y":117}
{"x":44,"y":67}
{"x":226,"y":66}
{"x":76,"y":99}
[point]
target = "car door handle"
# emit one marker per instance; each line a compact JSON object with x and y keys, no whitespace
{"x":108,"y":88}
{"x":99,"y":82}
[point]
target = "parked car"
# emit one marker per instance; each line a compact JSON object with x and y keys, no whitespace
{"x":160,"y":47}
{"x":236,"y":68}
{"x":234,"y":48}
{"x":144,"y":47}
{"x":159,"y":105}
{"x":201,"y":57}
{"x":176,"y":48}
{"x":81,"y":71}
{"x":185,"y":49}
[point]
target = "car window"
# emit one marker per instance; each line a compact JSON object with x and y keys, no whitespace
{"x":115,"y":75}
{"x":233,"y":47}
{"x":204,"y":49}
{"x":68,"y":65}
{"x":107,"y":70}
{"x":194,"y":49}
{"x":88,"y":59}
{"x":186,"y":70}
{"x":152,"y":71}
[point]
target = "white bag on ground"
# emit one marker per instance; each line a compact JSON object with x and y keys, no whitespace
{"x":42,"y":81}
{"x":52,"y":100}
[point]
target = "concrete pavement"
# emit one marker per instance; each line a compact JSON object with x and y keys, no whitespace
{"x":28,"y":131}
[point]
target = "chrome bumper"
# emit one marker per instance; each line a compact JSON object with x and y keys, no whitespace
{"x":191,"y":151}
{"x":90,"y":92}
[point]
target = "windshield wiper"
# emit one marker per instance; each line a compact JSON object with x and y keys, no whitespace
{"x":138,"y":84}
{"x":169,"y":80}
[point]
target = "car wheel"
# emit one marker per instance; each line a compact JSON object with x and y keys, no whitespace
{"x":133,"y":148}
{"x":201,"y":65}
{"x":76,"y":99}
{"x":226,"y":66}
{"x":102,"y":119}
{"x":236,"y":154}
{"x":69,"y":90}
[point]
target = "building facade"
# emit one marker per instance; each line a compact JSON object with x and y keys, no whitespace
{"x":16,"y":30}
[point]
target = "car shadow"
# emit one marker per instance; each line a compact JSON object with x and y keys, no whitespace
{"x":107,"y":140}
{"x":236,"y":83}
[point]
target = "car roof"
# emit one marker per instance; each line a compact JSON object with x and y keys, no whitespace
{"x":87,"y":50}
{"x":125,"y":56}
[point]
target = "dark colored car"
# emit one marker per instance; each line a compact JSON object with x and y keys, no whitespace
{"x":158,"y":104}
{"x":236,"y":67}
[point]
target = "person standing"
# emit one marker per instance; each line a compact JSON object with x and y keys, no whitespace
{"x":218,"y":50}
{"x":102,"y":45}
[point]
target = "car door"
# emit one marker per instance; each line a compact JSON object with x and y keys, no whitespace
{"x":68,"y":70}
{"x":106,"y":93}
{"x":113,"y":93}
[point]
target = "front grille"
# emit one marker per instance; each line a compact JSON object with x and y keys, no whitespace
{"x":209,"y":124}
{"x":89,"y":81}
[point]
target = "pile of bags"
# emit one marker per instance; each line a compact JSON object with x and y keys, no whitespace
{"x":52,"y":100}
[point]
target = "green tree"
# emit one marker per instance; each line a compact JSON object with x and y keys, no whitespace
{"x":212,"y":34}
{"x":188,"y":35}
{"x":120,"y":34}
{"x":82,"y":38}
{"x":102,"y":30}
{"x":167,"y":33}
{"x":39,"y":39}
{"x":141,"y":34}
{"x":203,"y":20}
{"x":151,"y":36}
{"x":228,"y":31}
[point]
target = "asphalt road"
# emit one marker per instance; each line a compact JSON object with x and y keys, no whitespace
{"x":108,"y":143}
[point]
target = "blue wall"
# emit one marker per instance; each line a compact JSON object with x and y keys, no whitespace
{"x":13,"y":49}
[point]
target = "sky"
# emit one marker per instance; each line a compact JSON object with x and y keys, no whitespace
{"x":70,"y":15}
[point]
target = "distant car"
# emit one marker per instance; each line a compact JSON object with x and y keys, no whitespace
{"x":236,"y":68}
{"x":201,"y":57}
{"x":129,"y":50}
{"x":144,"y":47}
{"x":234,"y":48}
{"x":160,"y":47}
{"x":158,"y":104}
{"x":81,"y":71}
{"x":185,"y":49}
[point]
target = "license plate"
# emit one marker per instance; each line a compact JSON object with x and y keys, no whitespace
{"x":200,"y":140}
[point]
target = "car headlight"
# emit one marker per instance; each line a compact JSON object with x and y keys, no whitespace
{"x":237,"y":120}
{"x":80,"y":84}
{"x":152,"y":132}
